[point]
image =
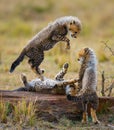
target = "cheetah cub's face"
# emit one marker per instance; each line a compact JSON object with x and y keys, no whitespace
{"x":70,"y":90}
{"x":74,"y":29}
{"x":83,"y":54}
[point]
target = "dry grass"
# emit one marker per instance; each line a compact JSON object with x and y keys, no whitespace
{"x":63,"y":124}
{"x":21,"y":20}
{"x":20,"y":113}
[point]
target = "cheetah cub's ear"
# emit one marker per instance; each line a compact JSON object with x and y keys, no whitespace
{"x":86,"y":50}
{"x":81,"y":53}
{"x":72,"y":22}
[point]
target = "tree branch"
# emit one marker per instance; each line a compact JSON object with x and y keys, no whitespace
{"x":110,"y":88}
{"x":103,"y":81}
{"x":109,"y":48}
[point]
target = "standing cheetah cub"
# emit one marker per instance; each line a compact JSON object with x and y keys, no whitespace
{"x":46,"y":39}
{"x":88,"y":81}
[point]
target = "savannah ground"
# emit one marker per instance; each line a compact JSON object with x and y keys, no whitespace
{"x":21,"y":20}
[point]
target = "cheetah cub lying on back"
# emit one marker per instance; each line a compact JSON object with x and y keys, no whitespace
{"x":46,"y":39}
{"x":88,"y":81}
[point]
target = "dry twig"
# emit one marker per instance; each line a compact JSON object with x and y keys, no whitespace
{"x":103,"y":82}
{"x":110,"y":88}
{"x":106,"y":46}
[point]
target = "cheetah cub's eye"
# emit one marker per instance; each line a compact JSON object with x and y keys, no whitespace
{"x":80,"y":60}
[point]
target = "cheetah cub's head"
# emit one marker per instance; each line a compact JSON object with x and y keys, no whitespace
{"x":83,"y":55}
{"x":71,"y":89}
{"x":74,"y":27}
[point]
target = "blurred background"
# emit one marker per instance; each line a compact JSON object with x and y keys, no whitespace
{"x":20,"y":20}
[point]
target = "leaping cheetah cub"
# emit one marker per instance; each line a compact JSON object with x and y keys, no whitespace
{"x":46,"y":39}
{"x":88,"y":80}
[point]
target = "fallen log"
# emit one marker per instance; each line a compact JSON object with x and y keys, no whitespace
{"x":52,"y":107}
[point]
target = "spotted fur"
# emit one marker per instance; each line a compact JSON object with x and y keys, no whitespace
{"x":46,"y":39}
{"x":87,"y":83}
{"x":56,"y":86}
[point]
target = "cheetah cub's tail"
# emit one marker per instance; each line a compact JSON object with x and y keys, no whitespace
{"x":17,"y":61}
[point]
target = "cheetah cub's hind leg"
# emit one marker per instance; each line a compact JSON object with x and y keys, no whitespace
{"x":36,"y":70}
{"x":94,"y":105}
{"x":94,"y":116}
{"x":85,"y":115}
{"x":39,"y":72}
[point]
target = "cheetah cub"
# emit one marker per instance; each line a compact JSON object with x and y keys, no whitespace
{"x":45,"y":40}
{"x":88,"y":81}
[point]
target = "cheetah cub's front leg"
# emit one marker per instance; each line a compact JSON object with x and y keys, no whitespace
{"x":67,"y":41}
{"x":62,"y":38}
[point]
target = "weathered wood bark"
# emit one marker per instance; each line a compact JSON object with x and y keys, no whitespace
{"x":52,"y":107}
